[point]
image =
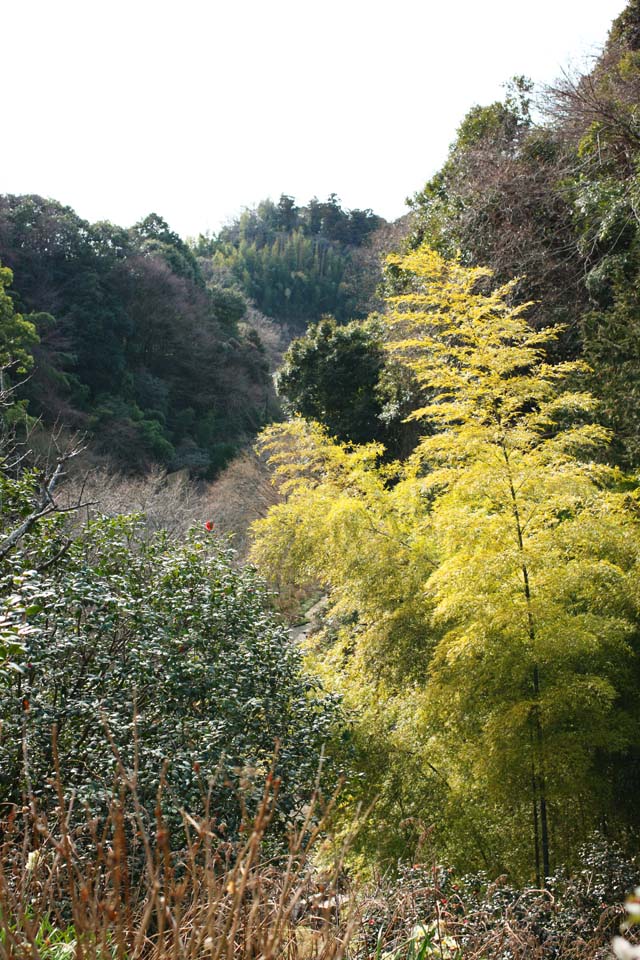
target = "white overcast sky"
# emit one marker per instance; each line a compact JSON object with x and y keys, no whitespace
{"x":196,"y":108}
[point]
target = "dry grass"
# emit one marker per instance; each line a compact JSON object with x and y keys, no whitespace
{"x":115,"y":888}
{"x":124,"y":884}
{"x":119,"y":885}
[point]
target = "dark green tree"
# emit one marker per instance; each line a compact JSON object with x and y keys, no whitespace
{"x":340,"y":376}
{"x":331,"y":375}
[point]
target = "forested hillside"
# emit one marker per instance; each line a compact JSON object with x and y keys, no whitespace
{"x":546,"y":191}
{"x":299,"y":263}
{"x":397,"y":717}
{"x":145,"y":341}
{"x":133,"y":346}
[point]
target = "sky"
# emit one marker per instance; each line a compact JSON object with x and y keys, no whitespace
{"x":195,"y":109}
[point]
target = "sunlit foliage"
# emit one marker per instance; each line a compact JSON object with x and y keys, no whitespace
{"x":485,"y":589}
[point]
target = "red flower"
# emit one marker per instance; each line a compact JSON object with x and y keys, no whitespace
{"x":209,"y":525}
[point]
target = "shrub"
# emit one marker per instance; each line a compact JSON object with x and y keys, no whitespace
{"x":169,"y":650}
{"x":427,"y":906}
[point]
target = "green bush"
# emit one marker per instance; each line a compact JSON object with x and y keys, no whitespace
{"x":173,"y":633}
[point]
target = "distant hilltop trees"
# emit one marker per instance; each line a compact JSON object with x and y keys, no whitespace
{"x":299,"y":263}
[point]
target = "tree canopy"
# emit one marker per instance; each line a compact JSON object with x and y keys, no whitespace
{"x":553,"y":203}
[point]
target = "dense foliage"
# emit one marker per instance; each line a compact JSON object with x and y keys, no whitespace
{"x":299,"y":263}
{"x":340,"y":376}
{"x":17,"y":334}
{"x":171,"y":632}
{"x":133,"y":346}
{"x":470,"y":915}
{"x":484,"y":591}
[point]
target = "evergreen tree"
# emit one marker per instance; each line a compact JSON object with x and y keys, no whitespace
{"x":331,"y":375}
{"x":17,"y":333}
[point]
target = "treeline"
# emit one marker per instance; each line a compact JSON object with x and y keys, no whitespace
{"x":554,"y":201}
{"x":129,"y":341}
{"x":298,"y":263}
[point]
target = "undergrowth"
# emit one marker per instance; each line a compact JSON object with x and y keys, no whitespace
{"x":123,"y":886}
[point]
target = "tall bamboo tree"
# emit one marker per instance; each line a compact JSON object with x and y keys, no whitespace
{"x":533,"y":583}
{"x":527,"y":623}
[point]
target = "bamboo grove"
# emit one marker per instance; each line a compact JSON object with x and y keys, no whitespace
{"x":483,"y":621}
